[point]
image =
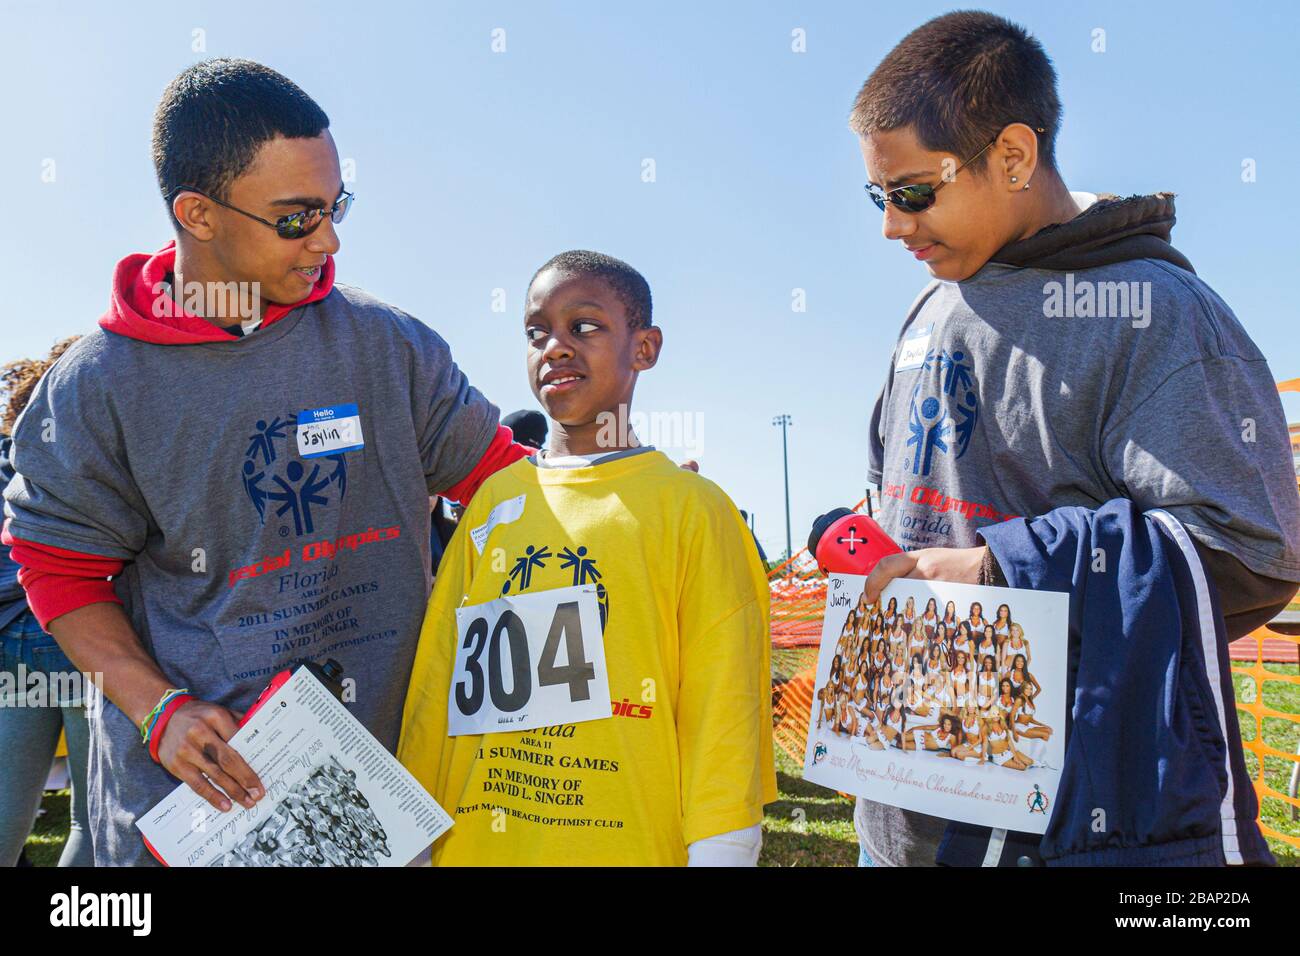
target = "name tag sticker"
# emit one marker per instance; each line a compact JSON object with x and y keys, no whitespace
{"x":512,"y":509}
{"x":329,"y":430}
{"x":914,"y":348}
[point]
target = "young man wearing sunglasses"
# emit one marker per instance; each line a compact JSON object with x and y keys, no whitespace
{"x":253,"y":471}
{"x":1066,"y":355}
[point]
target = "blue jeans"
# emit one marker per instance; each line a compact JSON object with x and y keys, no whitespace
{"x":29,"y":735}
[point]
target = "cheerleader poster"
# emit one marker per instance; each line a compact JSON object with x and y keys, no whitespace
{"x":947,"y":699}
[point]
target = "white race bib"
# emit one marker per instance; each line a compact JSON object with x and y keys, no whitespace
{"x":527,"y":661}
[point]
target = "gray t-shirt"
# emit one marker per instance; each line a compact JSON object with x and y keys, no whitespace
{"x":244,"y":554}
{"x":1004,"y":400}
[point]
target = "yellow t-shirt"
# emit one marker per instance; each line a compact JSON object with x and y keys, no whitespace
{"x":684,"y":603}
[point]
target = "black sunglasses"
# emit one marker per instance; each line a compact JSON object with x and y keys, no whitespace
{"x":294,"y":226}
{"x":918,"y":197}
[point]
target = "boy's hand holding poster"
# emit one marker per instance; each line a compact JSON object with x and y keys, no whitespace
{"x":947,"y":699}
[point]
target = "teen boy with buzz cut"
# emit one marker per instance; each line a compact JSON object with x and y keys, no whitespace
{"x":256,"y":481}
{"x":997,"y":405}
{"x":681,"y":770}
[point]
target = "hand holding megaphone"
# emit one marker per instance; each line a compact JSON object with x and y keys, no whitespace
{"x":845,"y":542}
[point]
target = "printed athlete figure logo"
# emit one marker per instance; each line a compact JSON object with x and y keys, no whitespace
{"x":583,"y":566}
{"x":956,"y":372}
{"x":254,"y":491}
{"x":264,"y":440}
{"x":966,"y":427}
{"x":954,"y":412}
{"x":584,"y":572}
{"x":266,"y":478}
{"x":299,"y":499}
{"x":532,"y":559}
{"x":340,"y":473}
{"x":928,"y":428}
{"x":1037,"y":801}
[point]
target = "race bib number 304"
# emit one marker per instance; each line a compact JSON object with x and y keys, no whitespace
{"x":527,"y":661}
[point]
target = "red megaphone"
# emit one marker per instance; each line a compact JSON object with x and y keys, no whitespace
{"x":845,"y":542}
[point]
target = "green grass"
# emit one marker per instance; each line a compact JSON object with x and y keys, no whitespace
{"x":808,"y":825}
{"x":45,"y":843}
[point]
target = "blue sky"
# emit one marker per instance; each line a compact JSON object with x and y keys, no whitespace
{"x":473,"y":167}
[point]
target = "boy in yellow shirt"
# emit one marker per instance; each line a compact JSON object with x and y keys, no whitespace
{"x":592,"y":683}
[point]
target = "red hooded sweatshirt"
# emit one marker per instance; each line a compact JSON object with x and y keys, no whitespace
{"x":58,"y":580}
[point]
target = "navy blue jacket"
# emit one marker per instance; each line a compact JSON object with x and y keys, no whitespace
{"x":1154,"y":773}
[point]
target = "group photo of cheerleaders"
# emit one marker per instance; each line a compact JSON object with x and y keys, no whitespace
{"x":954,"y":683}
{"x":324,"y":821}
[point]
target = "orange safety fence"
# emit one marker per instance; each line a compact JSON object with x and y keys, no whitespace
{"x":798,"y":600}
{"x":1268,"y":701}
{"x":1267,"y":680}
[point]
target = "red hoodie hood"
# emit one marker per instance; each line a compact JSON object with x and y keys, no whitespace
{"x":137,"y":311}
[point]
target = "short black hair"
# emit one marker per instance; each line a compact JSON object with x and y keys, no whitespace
{"x":215,"y":116}
{"x":957,"y":81}
{"x":628,"y":284}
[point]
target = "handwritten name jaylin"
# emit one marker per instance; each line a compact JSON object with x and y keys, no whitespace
{"x":323,"y":435}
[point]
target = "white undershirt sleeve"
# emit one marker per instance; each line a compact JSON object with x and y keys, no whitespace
{"x":737,"y":848}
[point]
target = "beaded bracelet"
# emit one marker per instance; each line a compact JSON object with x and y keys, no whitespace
{"x":146,"y":725}
{"x":160,"y":725}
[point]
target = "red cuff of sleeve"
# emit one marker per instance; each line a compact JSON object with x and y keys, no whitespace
{"x":501,"y":452}
{"x":50,"y":560}
{"x":58,"y":580}
{"x":53,"y":595}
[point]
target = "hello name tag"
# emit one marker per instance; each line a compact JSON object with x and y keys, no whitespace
{"x":914,"y":348}
{"x":329,"y":430}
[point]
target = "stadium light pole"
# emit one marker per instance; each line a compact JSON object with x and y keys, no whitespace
{"x":785,"y":422}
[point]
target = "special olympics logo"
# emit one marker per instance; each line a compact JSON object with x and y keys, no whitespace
{"x":944,"y":422}
{"x":288,"y":487}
